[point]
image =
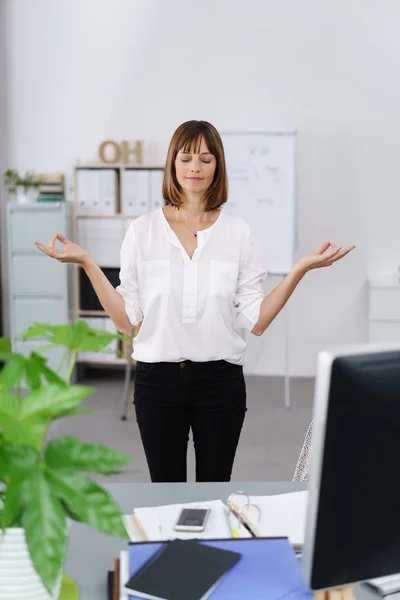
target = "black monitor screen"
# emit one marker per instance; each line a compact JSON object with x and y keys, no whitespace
{"x":357,"y":521}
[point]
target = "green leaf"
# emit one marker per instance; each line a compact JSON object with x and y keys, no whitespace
{"x":70,"y":453}
{"x":8,"y":404}
{"x":5,"y":345}
{"x":91,"y":503}
{"x":33,"y":377}
{"x":13,"y":504}
{"x":28,"y":432}
{"x":50,"y":401}
{"x":77,"y":337}
{"x":37,"y":364}
{"x":16,"y":462}
{"x":45,"y":527}
{"x":13,"y":373}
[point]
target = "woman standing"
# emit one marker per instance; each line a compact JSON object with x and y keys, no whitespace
{"x":193,"y":277}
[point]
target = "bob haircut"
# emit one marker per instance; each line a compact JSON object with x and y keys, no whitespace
{"x":188,"y":138}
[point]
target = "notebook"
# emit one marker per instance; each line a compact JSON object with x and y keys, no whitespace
{"x":268,"y":569}
{"x":182,"y":570}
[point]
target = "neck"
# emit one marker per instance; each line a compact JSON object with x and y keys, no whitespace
{"x":193,"y":208}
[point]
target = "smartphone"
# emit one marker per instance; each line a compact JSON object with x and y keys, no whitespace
{"x":192,"y":519}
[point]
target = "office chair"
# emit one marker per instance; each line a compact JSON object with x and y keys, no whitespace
{"x":302,"y":470}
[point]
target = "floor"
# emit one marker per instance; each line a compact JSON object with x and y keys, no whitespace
{"x":271,"y":439}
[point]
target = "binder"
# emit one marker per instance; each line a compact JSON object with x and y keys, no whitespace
{"x":87,"y":190}
{"x":136,"y":198}
{"x":246,"y":516}
{"x":156,"y":179}
{"x":107,"y":184}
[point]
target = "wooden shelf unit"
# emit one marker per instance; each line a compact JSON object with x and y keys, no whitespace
{"x":118,"y":214}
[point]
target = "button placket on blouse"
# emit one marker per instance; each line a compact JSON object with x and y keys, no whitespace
{"x":190,"y":276}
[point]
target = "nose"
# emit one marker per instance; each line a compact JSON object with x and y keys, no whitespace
{"x":195,"y":166}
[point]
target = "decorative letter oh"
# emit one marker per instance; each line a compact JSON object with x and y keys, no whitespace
{"x":111,"y":153}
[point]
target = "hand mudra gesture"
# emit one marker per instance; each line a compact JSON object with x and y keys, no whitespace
{"x":71,"y":253}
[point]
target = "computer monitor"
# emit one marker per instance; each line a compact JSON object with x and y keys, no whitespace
{"x":352,"y":529}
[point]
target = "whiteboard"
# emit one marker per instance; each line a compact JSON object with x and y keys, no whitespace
{"x":261,"y":179}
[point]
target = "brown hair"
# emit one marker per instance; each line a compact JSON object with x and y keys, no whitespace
{"x":188,"y":136}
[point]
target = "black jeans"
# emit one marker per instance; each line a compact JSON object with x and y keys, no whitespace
{"x":171,"y":398}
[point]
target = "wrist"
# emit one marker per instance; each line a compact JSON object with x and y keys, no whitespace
{"x":299,"y":271}
{"x":87,"y":261}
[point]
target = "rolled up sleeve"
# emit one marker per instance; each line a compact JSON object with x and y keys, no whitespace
{"x":250,"y":293}
{"x":128,"y":288}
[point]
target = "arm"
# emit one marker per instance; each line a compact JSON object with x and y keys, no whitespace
{"x":111,"y":301}
{"x":120,"y":304}
{"x":272,"y":304}
{"x":276,"y":300}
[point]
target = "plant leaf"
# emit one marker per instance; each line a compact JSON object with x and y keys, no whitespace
{"x":16,"y":462}
{"x":77,"y":337}
{"x":14,"y":371}
{"x":70,"y":453}
{"x":27,"y":432}
{"x":13,"y":504}
{"x":50,"y":401}
{"x":33,"y":378}
{"x":5,"y":345}
{"x":37,"y":363}
{"x":91,"y":503}
{"x":8,"y":404}
{"x":45,"y":527}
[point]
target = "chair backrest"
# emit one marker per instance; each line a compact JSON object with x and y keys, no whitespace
{"x":302,"y":471}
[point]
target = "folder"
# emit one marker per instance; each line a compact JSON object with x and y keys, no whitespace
{"x":267,"y":569}
{"x":87,"y":190}
{"x":106,"y":203}
{"x":136,"y":196}
{"x":181,"y":570}
{"x":156,"y":179}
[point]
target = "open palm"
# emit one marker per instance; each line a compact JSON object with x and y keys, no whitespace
{"x":321,"y":258}
{"x":71,"y":253}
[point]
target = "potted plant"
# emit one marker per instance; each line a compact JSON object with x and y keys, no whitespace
{"x":44,"y":485}
{"x":24,"y":187}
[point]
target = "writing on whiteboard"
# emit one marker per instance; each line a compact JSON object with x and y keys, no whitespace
{"x":260,"y":169}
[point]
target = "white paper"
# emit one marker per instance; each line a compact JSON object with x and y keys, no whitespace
{"x":159,"y":521}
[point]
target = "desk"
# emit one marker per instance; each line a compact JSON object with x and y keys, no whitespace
{"x":91,"y":554}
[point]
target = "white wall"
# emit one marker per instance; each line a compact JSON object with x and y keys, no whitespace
{"x":81,"y":71}
{"x":3,"y":165}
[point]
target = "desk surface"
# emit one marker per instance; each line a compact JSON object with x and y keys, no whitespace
{"x":91,"y":554}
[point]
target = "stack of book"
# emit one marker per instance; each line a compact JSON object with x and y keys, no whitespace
{"x":51,"y":188}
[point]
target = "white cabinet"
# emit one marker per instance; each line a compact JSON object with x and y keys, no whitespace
{"x":39,"y":287}
{"x":384,"y":309}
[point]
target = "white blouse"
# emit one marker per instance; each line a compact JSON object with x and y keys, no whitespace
{"x":192,"y":309}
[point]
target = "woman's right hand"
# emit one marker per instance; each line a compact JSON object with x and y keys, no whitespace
{"x":71,"y":253}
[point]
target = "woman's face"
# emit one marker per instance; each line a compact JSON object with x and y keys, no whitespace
{"x":195,"y":169}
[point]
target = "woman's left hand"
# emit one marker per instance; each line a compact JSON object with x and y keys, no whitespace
{"x":318,"y":259}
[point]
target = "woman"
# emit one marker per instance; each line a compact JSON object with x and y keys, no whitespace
{"x":193,"y":277}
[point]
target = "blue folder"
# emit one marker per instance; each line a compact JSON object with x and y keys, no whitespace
{"x":268,"y":569}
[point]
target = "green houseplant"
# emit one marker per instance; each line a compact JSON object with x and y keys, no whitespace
{"x":45,"y":485}
{"x":21,"y":185}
